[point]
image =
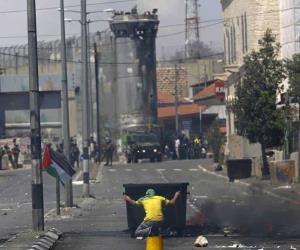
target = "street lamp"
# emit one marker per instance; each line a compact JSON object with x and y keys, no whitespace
{"x":85,"y":86}
{"x":65,"y":101}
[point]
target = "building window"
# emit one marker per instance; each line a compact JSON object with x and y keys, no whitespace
{"x":243,"y":34}
{"x":225,"y":49}
{"x":228,"y":47}
{"x":234,"y":43}
{"x":246,"y":31}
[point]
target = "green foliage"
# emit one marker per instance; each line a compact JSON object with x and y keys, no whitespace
{"x":255,"y":103}
{"x":215,"y":140}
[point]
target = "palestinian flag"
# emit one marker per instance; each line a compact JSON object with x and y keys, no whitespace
{"x":57,"y":165}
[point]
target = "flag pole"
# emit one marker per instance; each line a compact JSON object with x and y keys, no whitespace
{"x":57,"y":195}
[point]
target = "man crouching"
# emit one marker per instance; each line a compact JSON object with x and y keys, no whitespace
{"x":152,"y":205}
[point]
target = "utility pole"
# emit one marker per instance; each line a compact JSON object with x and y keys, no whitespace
{"x":90,"y":91}
{"x":97,"y":101}
{"x":200,"y":119}
{"x":37,"y":178}
{"x":84,"y":92}
{"x":65,"y":102}
{"x":176,"y":100}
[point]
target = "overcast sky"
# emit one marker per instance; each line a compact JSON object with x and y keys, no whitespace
{"x":170,"y":12}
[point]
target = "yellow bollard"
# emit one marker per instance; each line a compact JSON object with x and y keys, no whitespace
{"x":155,"y":243}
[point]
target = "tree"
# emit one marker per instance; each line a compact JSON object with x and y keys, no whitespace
{"x":254,"y":105}
{"x":293,"y":70}
{"x":215,"y":140}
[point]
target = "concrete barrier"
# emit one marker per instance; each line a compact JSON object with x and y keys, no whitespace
{"x":283,"y":171}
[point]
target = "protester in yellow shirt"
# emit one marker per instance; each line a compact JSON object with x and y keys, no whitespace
{"x":152,"y":205}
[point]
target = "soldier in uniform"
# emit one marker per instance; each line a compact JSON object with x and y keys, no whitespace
{"x":16,"y":152}
{"x":9,"y":155}
{"x":2,"y":152}
{"x":109,"y":151}
{"x":75,"y":153}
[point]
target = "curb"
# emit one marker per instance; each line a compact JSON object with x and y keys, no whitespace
{"x":47,"y":240}
{"x":270,"y":193}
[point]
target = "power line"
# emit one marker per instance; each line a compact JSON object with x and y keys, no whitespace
{"x":74,"y":34}
{"x":67,"y":6}
{"x":113,"y":63}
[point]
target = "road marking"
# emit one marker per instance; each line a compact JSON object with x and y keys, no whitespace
{"x":193,"y":207}
{"x":77,"y":183}
{"x":163,"y":176}
{"x":197,"y":210}
{"x":144,"y":170}
{"x":246,"y":184}
{"x":128,"y":169}
{"x":200,"y":197}
{"x":177,"y":169}
{"x":161,"y":170}
{"x":50,"y":212}
{"x":77,"y":176}
{"x":212,"y":173}
{"x":111,"y":170}
{"x":193,"y":169}
{"x":6,"y":209}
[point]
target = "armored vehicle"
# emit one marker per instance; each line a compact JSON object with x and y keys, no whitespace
{"x":143,"y":146}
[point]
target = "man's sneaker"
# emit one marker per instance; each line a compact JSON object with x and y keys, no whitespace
{"x":139,"y":238}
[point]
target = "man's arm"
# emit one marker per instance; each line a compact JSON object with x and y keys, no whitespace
{"x":127,"y":198}
{"x":176,"y":195}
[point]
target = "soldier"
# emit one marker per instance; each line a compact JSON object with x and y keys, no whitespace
{"x":109,"y":151}
{"x":2,"y":152}
{"x":16,"y":152}
{"x":9,"y":155}
{"x":75,"y":153}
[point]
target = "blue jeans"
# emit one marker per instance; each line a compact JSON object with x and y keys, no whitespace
{"x":145,"y":228}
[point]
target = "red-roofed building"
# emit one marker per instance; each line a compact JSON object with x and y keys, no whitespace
{"x":189,"y":115}
{"x":214,"y":94}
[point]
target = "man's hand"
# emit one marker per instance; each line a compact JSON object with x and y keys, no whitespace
{"x":176,"y":195}
{"x":128,"y":199}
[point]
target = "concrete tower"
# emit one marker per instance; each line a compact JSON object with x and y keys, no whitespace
{"x":136,"y":91}
{"x":192,"y":32}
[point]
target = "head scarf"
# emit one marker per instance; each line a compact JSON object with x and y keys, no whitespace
{"x":149,"y":193}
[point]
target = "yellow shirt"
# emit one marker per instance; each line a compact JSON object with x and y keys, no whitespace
{"x":153,"y":207}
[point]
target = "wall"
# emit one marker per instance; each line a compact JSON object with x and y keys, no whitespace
{"x":245,"y":23}
{"x":289,"y":27}
{"x":166,"y":77}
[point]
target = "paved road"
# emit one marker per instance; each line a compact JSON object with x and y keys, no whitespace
{"x":15,"y":197}
{"x":262,"y":222}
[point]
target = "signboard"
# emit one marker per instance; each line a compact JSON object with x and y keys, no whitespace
{"x":187,"y":124}
{"x":220,"y":90}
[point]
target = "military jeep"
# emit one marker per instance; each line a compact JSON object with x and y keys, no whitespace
{"x":143,"y":146}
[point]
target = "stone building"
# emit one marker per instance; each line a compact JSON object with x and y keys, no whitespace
{"x":167,"y":78}
{"x":289,"y":27}
{"x":245,"y":22}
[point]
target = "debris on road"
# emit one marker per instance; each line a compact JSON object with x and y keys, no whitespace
{"x":201,"y":241}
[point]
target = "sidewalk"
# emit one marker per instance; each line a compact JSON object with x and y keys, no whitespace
{"x":27,"y":238}
{"x":284,"y":191}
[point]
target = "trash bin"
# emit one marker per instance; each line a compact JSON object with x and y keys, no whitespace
{"x":174,"y":215}
{"x":239,"y":169}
